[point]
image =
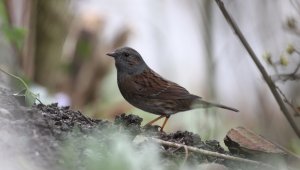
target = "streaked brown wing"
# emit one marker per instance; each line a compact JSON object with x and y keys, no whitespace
{"x":153,"y":86}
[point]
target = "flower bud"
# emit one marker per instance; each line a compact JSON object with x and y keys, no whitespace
{"x":283,"y":60}
{"x":290,"y":49}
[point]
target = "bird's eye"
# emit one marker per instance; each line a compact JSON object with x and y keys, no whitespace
{"x":126,"y":54}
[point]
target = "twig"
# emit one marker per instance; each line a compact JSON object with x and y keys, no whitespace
{"x":285,"y":77}
{"x":264,"y":73}
{"x":186,"y":155}
{"x":288,"y":102}
{"x":214,"y":154}
{"x":297,"y":51}
{"x":297,"y":68}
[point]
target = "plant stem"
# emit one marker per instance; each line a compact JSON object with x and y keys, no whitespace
{"x":16,"y":77}
{"x":264,"y":73}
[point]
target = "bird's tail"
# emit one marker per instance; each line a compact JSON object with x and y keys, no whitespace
{"x":204,"y":104}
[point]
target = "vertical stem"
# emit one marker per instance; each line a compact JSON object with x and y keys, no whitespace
{"x":260,"y":67}
{"x":209,"y":58}
{"x":207,"y":34}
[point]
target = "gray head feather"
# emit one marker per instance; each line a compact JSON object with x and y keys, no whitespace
{"x":128,"y":60}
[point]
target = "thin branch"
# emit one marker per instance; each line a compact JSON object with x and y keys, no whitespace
{"x":288,"y":102}
{"x":214,"y":154}
{"x":285,"y":77}
{"x":297,"y":51}
{"x":297,"y":68}
{"x":288,"y":76}
{"x":186,"y":155}
{"x":264,"y":73}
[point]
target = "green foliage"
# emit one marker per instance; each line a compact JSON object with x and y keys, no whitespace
{"x":108,"y":150}
{"x":30,"y":97}
{"x":268,"y":58}
{"x":3,"y":12}
{"x":283,"y":57}
{"x":284,"y":60}
{"x":295,"y":146}
{"x":13,"y":34}
{"x":84,"y":48}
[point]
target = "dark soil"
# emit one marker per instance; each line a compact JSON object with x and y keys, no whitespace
{"x":60,"y":122}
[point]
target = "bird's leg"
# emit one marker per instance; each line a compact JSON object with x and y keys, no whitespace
{"x":163,"y":125}
{"x":154,"y":120}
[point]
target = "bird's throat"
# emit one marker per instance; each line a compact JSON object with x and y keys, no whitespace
{"x":130,"y":69}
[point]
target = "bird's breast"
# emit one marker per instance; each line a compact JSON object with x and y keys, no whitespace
{"x":126,"y":86}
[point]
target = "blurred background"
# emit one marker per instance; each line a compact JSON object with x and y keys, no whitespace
{"x":59,"y":48}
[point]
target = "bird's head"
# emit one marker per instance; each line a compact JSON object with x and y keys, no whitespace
{"x":128,"y":60}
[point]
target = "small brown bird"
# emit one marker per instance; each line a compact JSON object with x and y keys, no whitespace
{"x":148,"y":91}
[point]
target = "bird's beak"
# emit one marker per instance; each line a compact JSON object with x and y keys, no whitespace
{"x":112,"y":54}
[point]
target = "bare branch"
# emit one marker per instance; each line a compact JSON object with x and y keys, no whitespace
{"x":285,"y":77}
{"x":288,"y":76}
{"x":297,"y":68}
{"x":264,"y":73}
{"x":288,"y":102}
{"x":214,"y":154}
{"x":186,"y":151}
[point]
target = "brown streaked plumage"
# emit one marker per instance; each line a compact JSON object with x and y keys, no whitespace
{"x":147,"y":90}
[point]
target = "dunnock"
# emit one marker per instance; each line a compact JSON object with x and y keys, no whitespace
{"x":147,"y":90}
